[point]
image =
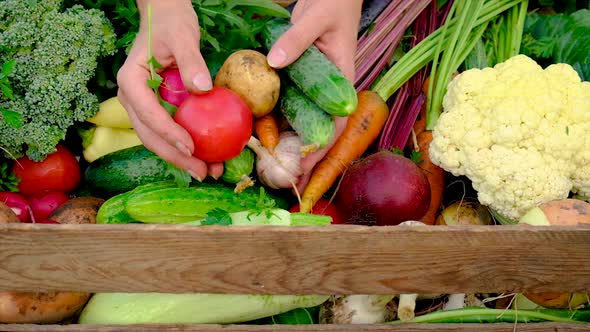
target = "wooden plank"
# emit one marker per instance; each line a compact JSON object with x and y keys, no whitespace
{"x":497,"y":327}
{"x":297,"y":260}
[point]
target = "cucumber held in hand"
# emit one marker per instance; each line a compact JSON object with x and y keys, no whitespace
{"x":315,"y":128}
{"x":315,"y":74}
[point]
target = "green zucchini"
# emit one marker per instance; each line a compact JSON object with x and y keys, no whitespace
{"x":315,"y":74}
{"x":123,"y":170}
{"x":315,"y":128}
{"x":171,"y":204}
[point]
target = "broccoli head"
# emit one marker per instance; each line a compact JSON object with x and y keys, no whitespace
{"x":56,"y":52}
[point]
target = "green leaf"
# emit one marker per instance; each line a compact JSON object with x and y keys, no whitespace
{"x":217,"y":216}
{"x":12,"y":118}
{"x":8,"y":181}
{"x":153,"y":62}
{"x":181,"y":178}
{"x":8,"y":67}
{"x":262,"y":7}
{"x":6,"y":90}
{"x":171,"y":109}
{"x":416,"y":157}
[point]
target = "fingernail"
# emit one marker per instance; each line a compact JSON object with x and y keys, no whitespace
{"x":194,"y":175}
{"x":203,"y":82}
{"x":276,"y":57}
{"x":184,"y":149}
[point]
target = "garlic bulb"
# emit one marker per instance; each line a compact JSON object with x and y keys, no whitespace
{"x":282,"y":168}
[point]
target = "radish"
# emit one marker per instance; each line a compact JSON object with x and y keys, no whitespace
{"x":385,"y":188}
{"x":44,"y":204}
{"x":18,"y":204}
{"x":172,"y":89}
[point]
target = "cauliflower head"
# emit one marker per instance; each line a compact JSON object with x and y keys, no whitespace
{"x":519,"y":132}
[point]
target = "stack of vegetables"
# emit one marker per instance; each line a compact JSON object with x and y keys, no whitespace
{"x":462,"y":112}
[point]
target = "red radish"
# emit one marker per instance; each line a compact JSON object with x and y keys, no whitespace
{"x":18,"y":204}
{"x":219,"y":122}
{"x":60,"y":171}
{"x":172,"y":89}
{"x":325,"y":208}
{"x":44,"y":204}
{"x":383,"y":189}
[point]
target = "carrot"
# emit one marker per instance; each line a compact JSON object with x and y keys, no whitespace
{"x":435,"y":175}
{"x":267,"y":130}
{"x":363,"y":127}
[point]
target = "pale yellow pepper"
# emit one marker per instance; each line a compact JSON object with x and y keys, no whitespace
{"x":111,"y":114}
{"x":99,"y":141}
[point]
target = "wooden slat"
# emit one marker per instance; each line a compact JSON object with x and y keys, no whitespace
{"x":296,"y":260}
{"x":498,"y":327}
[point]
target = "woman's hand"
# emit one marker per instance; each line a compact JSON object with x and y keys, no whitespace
{"x":333,"y":26}
{"x":175,"y":42}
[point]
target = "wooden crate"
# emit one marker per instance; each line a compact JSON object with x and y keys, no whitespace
{"x":294,"y":260}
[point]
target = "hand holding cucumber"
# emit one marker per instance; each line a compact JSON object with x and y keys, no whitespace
{"x":331,"y":25}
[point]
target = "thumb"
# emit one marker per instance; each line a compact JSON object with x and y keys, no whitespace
{"x":193,"y":69}
{"x":294,"y":42}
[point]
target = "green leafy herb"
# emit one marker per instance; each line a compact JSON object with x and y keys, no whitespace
{"x":12,"y":118}
{"x":8,"y":181}
{"x":217,"y":217}
{"x":181,"y":178}
{"x":7,"y":69}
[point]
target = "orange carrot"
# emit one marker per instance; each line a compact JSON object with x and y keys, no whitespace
{"x":363,"y":127}
{"x":267,"y":130}
{"x":435,"y":175}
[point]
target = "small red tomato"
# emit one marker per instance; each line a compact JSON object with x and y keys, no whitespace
{"x":44,"y":204}
{"x":60,"y":171}
{"x":219,"y":122}
{"x":325,"y":208}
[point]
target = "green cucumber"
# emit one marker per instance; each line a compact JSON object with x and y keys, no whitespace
{"x":123,"y":170}
{"x":315,"y":128}
{"x":112,"y":211}
{"x":238,"y":169}
{"x":315,"y":74}
{"x":171,"y":204}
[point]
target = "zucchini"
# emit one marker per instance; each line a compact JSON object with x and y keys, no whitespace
{"x":172,"y":204}
{"x":123,"y":170}
{"x":315,"y":74}
{"x":315,"y":128}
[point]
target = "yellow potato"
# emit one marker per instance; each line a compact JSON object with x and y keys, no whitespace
{"x":247,"y":73}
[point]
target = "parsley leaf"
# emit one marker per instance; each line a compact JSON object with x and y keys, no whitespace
{"x":181,"y":178}
{"x":217,"y":217}
{"x":12,"y":118}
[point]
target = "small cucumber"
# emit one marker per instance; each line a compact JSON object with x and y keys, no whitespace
{"x":315,"y":74}
{"x":315,"y":128}
{"x":238,"y":169}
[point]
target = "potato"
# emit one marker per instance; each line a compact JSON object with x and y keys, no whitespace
{"x":53,"y":307}
{"x":40,"y":308}
{"x":7,"y":216}
{"x":247,"y":73}
{"x":79,"y":210}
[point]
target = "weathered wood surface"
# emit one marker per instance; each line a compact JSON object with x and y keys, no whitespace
{"x":498,"y":327}
{"x":296,"y":260}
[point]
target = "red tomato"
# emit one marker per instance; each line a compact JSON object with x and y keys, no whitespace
{"x":219,"y":122}
{"x":44,"y":204}
{"x":325,"y":208}
{"x":60,"y":171}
